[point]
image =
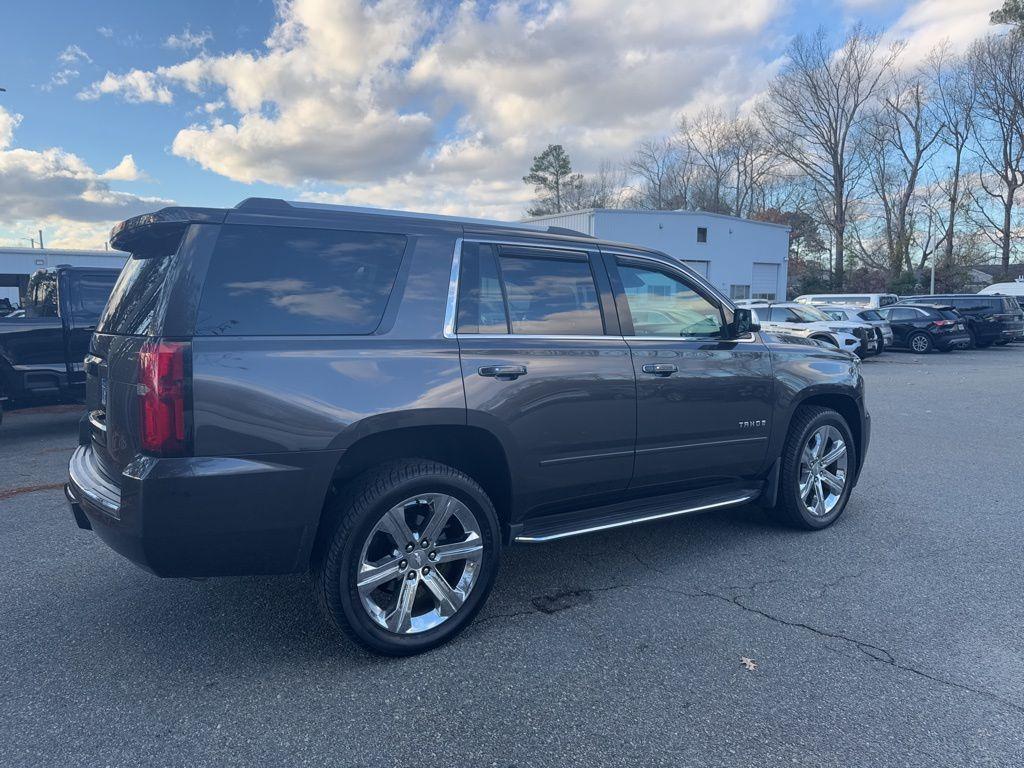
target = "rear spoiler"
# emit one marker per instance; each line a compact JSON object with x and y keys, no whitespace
{"x":158,"y":233}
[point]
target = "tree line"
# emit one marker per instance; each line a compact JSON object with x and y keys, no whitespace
{"x":882,"y":168}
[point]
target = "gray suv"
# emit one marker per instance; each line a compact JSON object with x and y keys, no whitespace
{"x":385,"y":400}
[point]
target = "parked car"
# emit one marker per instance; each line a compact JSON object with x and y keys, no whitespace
{"x":990,"y":319}
{"x":871,"y":316}
{"x":924,"y":327}
{"x":854,"y":336}
{"x":865,"y":300}
{"x":42,"y":347}
{"x":386,"y":399}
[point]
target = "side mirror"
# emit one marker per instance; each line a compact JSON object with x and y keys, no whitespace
{"x":742,"y":323}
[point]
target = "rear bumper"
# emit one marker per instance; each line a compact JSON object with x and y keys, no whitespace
{"x":952,"y":340}
{"x":205,"y":516}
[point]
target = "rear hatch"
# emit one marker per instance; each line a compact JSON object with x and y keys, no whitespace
{"x":134,"y":316}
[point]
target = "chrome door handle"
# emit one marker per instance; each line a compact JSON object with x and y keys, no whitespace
{"x":504,"y":372}
{"x":659,"y":369}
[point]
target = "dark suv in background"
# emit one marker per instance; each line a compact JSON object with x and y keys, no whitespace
{"x":989,"y":319}
{"x":924,"y":327}
{"x":386,"y":399}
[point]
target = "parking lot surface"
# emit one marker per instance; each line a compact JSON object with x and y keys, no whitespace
{"x":893,"y":638}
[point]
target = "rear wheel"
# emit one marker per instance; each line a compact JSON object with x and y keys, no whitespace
{"x":827,"y":339}
{"x":413,"y":554}
{"x":818,"y":464}
{"x":920,"y":343}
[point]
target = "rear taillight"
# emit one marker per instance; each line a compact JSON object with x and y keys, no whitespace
{"x":163,"y":395}
{"x":942,"y":323}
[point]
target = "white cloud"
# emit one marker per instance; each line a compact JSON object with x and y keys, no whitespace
{"x":105,"y":31}
{"x":59,"y":78}
{"x":126,"y":170}
{"x":926,"y":23}
{"x":8,"y":123}
{"x":73,"y":53}
{"x":136,"y":86}
{"x":55,"y":188}
{"x":189,"y":40}
{"x":393,"y":96}
{"x":404,"y":104}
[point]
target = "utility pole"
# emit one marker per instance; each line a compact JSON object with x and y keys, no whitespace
{"x":932,"y":292}
{"x":41,"y":239}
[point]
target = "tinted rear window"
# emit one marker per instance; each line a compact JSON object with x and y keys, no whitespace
{"x":133,"y":304}
{"x":870,"y":315}
{"x":551,"y":296}
{"x":89,"y":294}
{"x":949,"y":314}
{"x":274,"y":281}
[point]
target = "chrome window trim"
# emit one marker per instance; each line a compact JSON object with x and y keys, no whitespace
{"x":453,"y":292}
{"x":451,"y":306}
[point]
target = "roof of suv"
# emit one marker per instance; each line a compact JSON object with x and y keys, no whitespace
{"x":179,"y":215}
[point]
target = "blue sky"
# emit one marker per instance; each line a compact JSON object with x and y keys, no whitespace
{"x":428,"y":106}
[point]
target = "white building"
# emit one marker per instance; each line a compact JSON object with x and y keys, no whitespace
{"x":744,"y":259}
{"x":16,"y":264}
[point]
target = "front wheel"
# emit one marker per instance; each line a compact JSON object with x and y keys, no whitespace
{"x":818,"y":465}
{"x":413,"y":555}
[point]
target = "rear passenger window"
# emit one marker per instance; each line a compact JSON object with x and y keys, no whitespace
{"x":555,"y":296}
{"x":278,"y":281}
{"x":481,"y":305}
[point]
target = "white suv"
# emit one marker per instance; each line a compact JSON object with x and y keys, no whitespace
{"x":811,"y":323}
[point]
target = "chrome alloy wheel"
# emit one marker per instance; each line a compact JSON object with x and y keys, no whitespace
{"x":823,"y":468}
{"x":919,"y":344}
{"x":419,"y":563}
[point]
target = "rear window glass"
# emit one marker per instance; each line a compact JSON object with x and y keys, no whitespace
{"x":551,"y":296}
{"x":132,"y":306}
{"x":869,"y":315}
{"x":280,"y":281}
{"x":89,"y":294}
{"x":481,"y":304}
{"x":949,"y":314}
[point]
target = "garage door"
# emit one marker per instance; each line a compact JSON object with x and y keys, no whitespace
{"x":764,"y":283}
{"x":700,"y":267}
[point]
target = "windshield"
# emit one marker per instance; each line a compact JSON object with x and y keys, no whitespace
{"x":810,"y":314}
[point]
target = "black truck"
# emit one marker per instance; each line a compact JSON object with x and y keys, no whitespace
{"x":42,"y":353}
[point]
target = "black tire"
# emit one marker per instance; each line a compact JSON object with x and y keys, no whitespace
{"x":973,"y":343}
{"x":983,"y":344}
{"x":926,"y":346}
{"x":789,"y":508}
{"x":827,"y":339}
{"x":355,"y":510}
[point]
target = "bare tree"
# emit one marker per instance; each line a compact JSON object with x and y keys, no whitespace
{"x":952,"y":107}
{"x":814,"y":112}
{"x":903,"y":134}
{"x":997,"y":76}
{"x":603,"y":189}
{"x":710,"y":139}
{"x":661,"y":176}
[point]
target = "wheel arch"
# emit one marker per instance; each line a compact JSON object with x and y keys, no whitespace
{"x":845,"y":405}
{"x":473,"y":450}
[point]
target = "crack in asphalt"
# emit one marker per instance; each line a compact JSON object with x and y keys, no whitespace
{"x":566,"y":599}
{"x":873,"y":652}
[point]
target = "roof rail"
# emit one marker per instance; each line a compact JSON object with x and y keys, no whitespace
{"x":273,"y":203}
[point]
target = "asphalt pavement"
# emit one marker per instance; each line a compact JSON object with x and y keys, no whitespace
{"x":893,"y":638}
